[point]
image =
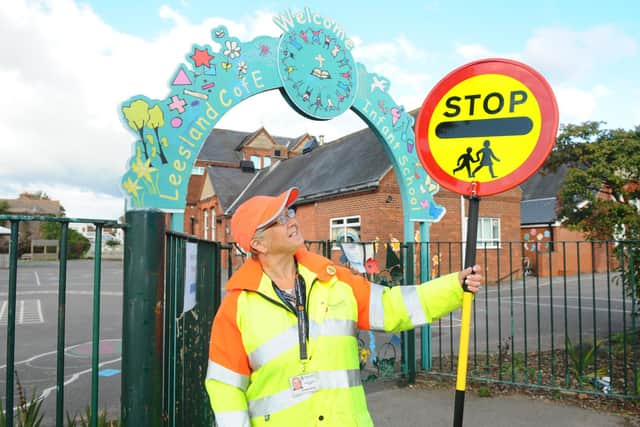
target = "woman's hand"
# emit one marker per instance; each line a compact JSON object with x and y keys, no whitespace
{"x":471,"y":278}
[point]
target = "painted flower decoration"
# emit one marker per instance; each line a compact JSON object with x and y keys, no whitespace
{"x":143,"y":169}
{"x":131,"y":187}
{"x":242,"y":67}
{"x":232,"y":49}
{"x":364,"y":355}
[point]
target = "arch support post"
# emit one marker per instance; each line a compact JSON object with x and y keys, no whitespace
{"x":142,"y":318}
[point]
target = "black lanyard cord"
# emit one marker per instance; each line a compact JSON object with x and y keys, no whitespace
{"x":301,"y":314}
{"x":299,"y":310}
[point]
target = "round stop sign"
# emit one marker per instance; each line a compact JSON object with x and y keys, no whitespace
{"x":486,"y":127}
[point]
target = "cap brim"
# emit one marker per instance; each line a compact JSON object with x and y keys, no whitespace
{"x":283,"y":201}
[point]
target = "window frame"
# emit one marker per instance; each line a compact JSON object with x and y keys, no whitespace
{"x":206,"y":223}
{"x":345,"y":226}
{"x":482,"y":242}
{"x":256,"y":160}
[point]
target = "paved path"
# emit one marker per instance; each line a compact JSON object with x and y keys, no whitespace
{"x":417,"y":407}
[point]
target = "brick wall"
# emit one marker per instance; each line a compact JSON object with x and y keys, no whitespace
{"x":381,"y":219}
{"x":570,"y":252}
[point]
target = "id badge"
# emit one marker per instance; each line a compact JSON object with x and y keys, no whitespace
{"x":303,"y":384}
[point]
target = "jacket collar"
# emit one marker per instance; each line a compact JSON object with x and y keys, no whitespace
{"x":250,"y":274}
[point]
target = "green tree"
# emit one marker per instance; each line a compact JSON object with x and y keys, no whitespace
{"x":601,"y":192}
{"x":4,"y":209}
{"x":78,"y":245}
{"x":137,"y":116}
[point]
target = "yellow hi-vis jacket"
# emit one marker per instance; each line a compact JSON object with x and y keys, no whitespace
{"x":254,"y":348}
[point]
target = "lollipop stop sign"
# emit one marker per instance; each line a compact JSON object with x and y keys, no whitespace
{"x":483,"y":129}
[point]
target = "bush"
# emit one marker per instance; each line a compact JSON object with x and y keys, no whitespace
{"x":78,"y":245}
{"x":113,"y":243}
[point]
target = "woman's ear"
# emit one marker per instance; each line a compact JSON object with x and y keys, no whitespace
{"x":258,"y":246}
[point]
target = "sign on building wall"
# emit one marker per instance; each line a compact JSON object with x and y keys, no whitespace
{"x":311,"y":63}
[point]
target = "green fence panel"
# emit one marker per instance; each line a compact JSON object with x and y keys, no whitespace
{"x":12,"y":366}
{"x":186,"y":350}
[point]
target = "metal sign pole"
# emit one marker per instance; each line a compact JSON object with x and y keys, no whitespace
{"x":469,"y":261}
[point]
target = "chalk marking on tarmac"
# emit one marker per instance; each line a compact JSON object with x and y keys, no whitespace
{"x":71,"y":347}
{"x":47,"y":391}
{"x":37,"y":278}
{"x":89,"y":293}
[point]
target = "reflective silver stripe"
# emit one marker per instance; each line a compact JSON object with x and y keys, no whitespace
{"x":273,"y":348}
{"x":376,"y":310}
{"x":333,"y":327}
{"x":220,"y":373}
{"x":289,"y":338}
{"x":339,"y":379}
{"x":411,"y":300}
{"x":233,"y":419}
{"x":285,"y":399}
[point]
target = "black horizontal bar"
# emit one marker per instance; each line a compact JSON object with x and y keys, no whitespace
{"x":507,"y":126}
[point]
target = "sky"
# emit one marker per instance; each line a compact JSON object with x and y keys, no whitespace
{"x":66,"y":66}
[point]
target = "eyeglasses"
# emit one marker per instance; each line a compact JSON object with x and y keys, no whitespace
{"x":282,"y":219}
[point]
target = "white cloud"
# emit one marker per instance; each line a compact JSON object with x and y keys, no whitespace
{"x":474,"y":51}
{"x":70,"y":72}
{"x":407,"y":87}
{"x":66,"y":73}
{"x":65,"y":79}
{"x":567,"y":54}
{"x":577,"y":105}
{"x":396,"y":51}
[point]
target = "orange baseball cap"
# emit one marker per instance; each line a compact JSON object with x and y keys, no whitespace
{"x":257,"y":212}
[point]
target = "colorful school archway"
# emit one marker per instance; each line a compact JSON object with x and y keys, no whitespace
{"x":312,"y":65}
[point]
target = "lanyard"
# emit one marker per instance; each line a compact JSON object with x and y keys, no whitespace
{"x":300,"y":312}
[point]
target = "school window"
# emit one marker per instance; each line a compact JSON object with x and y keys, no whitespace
{"x":345,"y":229}
{"x":256,"y":162}
{"x":266,"y":162}
{"x":206,"y":223}
{"x":488,"y":233}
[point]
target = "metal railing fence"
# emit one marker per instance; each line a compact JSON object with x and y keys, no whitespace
{"x":186,"y":344}
{"x":10,"y":386}
{"x":559,"y":317}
